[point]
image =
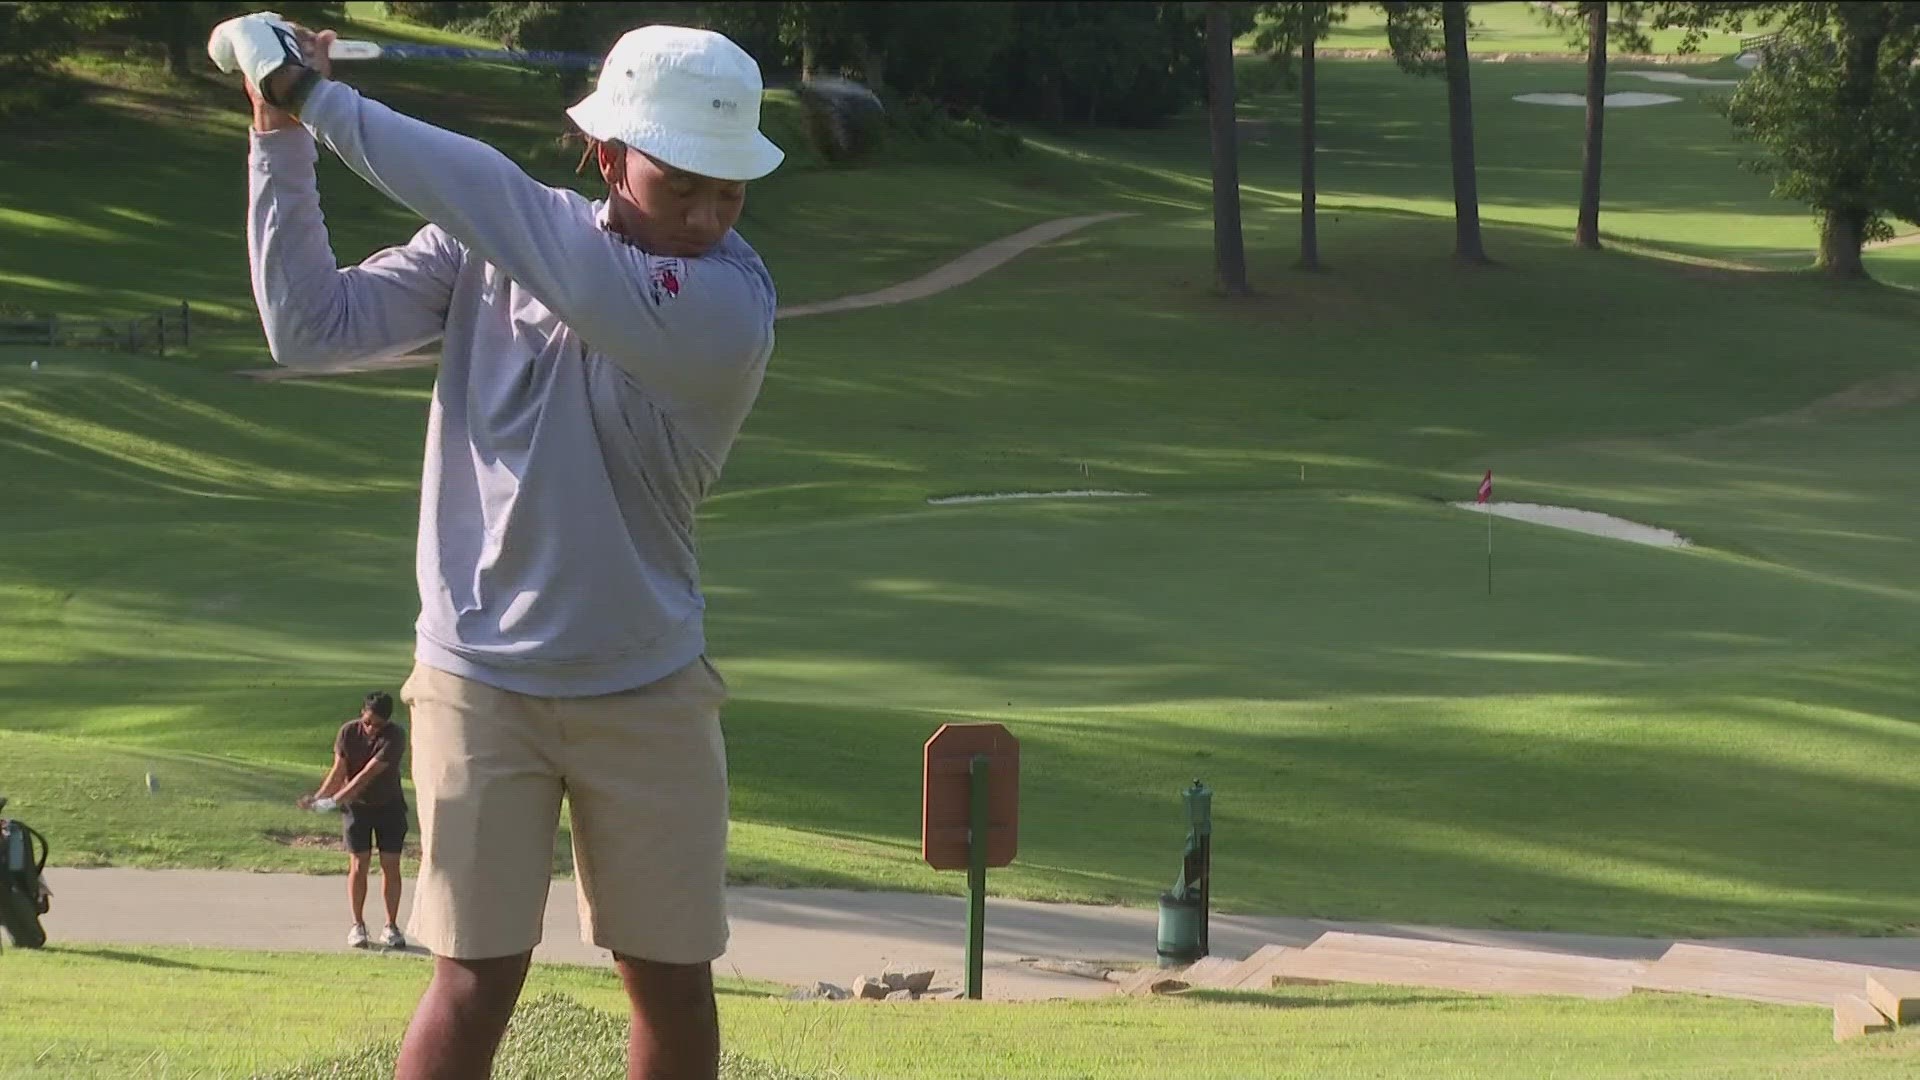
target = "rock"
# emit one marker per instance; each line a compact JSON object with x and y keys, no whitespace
{"x":944,"y":995}
{"x":902,"y":994}
{"x":869,"y":988}
{"x":823,"y":991}
{"x":919,"y":981}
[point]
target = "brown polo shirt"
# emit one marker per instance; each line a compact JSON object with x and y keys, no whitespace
{"x":358,"y":746}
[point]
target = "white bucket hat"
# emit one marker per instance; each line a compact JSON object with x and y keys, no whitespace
{"x":688,"y":97}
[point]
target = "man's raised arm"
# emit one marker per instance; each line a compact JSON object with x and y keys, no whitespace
{"x":689,"y":351}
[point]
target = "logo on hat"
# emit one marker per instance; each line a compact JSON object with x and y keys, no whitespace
{"x":730,"y":107}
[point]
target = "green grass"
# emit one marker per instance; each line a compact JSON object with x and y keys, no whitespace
{"x":151,"y":1013}
{"x":1387,"y":742}
{"x":1509,"y":26}
{"x":1672,"y":178}
{"x":206,"y":573}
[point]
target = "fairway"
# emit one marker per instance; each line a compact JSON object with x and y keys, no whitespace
{"x":203,"y":573}
{"x":1510,"y":26}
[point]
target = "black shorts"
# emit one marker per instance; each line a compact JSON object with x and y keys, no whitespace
{"x":367,"y":827}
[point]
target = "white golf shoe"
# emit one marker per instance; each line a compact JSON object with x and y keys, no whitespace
{"x":357,"y":937}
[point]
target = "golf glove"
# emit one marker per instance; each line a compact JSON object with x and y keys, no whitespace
{"x":255,"y":45}
{"x":324,"y":804}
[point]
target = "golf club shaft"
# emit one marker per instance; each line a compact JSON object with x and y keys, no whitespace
{"x":344,"y":50}
{"x":368,"y":50}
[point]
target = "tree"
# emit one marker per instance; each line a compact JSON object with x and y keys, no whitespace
{"x":1229,"y":247}
{"x":1413,"y":31}
{"x":1302,"y":25}
{"x":1467,"y":247}
{"x":1835,"y":110}
{"x":34,"y":36}
{"x":1595,"y":26}
{"x":1103,"y":62}
{"x":1586,"y":227}
{"x":180,"y":27}
{"x":938,"y":48}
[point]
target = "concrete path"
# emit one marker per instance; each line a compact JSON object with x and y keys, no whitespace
{"x":794,"y":936}
{"x":956,"y":273}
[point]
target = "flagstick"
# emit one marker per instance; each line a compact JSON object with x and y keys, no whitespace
{"x":1489,"y":506}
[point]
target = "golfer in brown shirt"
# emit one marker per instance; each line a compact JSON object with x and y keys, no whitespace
{"x":365,"y":783}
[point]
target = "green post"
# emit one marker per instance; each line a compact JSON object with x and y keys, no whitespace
{"x":976,"y":875}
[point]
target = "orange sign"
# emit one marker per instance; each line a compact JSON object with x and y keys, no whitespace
{"x":946,"y":793}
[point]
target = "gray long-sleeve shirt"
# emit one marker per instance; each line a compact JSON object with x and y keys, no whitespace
{"x":587,"y":398}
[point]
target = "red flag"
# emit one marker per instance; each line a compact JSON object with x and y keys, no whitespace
{"x":1486,"y":487}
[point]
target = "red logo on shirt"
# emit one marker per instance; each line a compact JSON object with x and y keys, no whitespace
{"x":666,"y":280}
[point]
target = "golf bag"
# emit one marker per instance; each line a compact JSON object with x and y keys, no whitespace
{"x":23,"y":891}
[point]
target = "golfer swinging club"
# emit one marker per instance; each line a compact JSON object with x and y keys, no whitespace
{"x":365,"y":782}
{"x":597,"y":362}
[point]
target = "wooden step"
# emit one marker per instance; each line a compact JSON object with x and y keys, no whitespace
{"x":1752,"y":976}
{"x":1854,"y":1016}
{"x":1256,"y":972}
{"x":1897,"y":994}
{"x":1143,"y":982}
{"x":1202,"y":974}
{"x":1209,"y":972}
{"x":1367,"y":958}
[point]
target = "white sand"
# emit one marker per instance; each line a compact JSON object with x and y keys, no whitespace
{"x":1004,"y":496}
{"x":1585,"y":521}
{"x":1626,"y":99}
{"x":1748,"y":60}
{"x":1679,"y":78}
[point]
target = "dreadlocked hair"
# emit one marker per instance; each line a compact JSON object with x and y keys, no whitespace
{"x":588,"y":144}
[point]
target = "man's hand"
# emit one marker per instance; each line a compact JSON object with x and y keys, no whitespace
{"x":272,"y":55}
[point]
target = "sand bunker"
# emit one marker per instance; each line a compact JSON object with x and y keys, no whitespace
{"x":1004,"y":496}
{"x":1626,"y":99}
{"x":1747,"y":60}
{"x":1678,"y":78}
{"x":1585,"y":521}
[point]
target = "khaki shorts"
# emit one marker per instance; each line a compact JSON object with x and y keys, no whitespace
{"x":644,"y":773}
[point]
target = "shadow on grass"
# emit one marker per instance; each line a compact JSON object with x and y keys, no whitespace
{"x":143,"y":960}
{"x":1279,"y":1000}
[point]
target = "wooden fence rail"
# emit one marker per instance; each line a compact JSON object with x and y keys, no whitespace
{"x":147,"y":333}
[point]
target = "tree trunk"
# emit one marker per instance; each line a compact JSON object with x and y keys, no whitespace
{"x":1586,"y":233}
{"x":1843,"y":228}
{"x":1842,"y":232}
{"x":809,"y":56}
{"x":1229,"y":250}
{"x":180,"y":33}
{"x":1309,"y":194}
{"x":1466,"y":195}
